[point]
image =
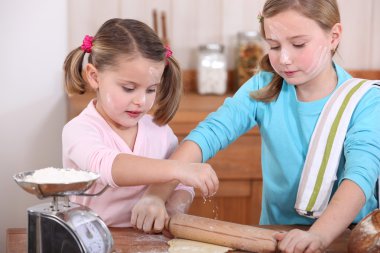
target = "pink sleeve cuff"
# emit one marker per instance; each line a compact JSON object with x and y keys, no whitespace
{"x":189,"y":189}
{"x":101,"y":162}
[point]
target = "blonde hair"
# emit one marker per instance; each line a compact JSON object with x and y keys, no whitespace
{"x":130,"y":38}
{"x":324,"y":12}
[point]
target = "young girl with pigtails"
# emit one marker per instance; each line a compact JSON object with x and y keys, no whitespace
{"x":133,"y":74}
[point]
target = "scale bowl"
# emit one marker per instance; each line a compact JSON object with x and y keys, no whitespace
{"x":43,"y":190}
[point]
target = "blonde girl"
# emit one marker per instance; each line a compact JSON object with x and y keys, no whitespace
{"x":285,"y":100}
{"x":123,"y":134}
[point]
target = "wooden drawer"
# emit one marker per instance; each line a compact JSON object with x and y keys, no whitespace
{"x":237,"y":201}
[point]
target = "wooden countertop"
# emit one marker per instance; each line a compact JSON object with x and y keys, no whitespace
{"x":128,"y":240}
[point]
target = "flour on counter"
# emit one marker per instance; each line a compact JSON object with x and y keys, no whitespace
{"x":60,"y":176}
{"x":189,"y":246}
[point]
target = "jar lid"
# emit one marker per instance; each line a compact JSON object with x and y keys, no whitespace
{"x":248,"y":34}
{"x":212,"y":47}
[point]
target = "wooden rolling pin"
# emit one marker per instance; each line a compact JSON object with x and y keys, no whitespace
{"x":223,"y":233}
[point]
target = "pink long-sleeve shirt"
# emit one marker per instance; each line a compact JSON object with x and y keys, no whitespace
{"x":89,"y":143}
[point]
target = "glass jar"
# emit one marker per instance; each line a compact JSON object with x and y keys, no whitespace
{"x":250,"y":50}
{"x":211,"y":69}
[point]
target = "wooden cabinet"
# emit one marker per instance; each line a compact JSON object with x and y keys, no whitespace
{"x":238,"y":166}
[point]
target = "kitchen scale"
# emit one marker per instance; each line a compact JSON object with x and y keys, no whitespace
{"x":63,"y":226}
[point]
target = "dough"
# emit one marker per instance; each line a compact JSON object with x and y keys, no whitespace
{"x":188,"y":246}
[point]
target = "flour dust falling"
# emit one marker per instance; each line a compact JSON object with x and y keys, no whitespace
{"x":215,"y":208}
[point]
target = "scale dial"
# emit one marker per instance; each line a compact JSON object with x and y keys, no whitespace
{"x":92,"y":231}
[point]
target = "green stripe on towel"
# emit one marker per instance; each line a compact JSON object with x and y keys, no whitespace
{"x":329,"y":145}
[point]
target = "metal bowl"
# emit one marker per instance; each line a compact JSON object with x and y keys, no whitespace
{"x":43,"y":190}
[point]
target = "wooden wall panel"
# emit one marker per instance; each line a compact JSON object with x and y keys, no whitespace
{"x":184,"y":35}
{"x":231,"y":209}
{"x":238,"y":16}
{"x":375,"y":33}
{"x":85,"y":17}
{"x":194,"y":22}
{"x":242,"y":208}
{"x":143,"y":9}
{"x":209,"y":21}
{"x":255,"y":202}
{"x":355,"y":48}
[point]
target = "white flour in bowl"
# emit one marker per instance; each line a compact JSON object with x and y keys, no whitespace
{"x":60,"y":176}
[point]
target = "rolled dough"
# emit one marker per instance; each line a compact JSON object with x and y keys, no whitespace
{"x":188,"y":246}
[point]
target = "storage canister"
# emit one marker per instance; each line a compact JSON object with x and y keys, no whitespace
{"x":211,"y":69}
{"x":249,"y":52}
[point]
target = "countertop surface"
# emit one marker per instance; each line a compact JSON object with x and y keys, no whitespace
{"x":128,"y":240}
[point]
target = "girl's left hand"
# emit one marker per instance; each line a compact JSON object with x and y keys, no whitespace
{"x":149,"y":214}
{"x":299,"y":241}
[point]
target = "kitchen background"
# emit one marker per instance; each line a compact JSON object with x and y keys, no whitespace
{"x":37,"y":35}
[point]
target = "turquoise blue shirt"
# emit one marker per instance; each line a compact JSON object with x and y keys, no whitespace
{"x":286,"y":126}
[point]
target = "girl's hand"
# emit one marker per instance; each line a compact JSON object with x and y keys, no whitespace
{"x":199,"y":175}
{"x":149,"y":214}
{"x":299,"y":241}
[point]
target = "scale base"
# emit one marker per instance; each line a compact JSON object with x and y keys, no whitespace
{"x":72,"y":229}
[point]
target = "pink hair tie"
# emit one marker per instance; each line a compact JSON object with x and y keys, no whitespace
{"x":87,"y":44}
{"x":169,"y":52}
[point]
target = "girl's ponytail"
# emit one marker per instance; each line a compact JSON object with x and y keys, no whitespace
{"x":271,"y":91}
{"x":73,"y":66}
{"x":169,"y":93}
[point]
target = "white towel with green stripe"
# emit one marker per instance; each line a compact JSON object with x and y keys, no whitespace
{"x":325,"y":148}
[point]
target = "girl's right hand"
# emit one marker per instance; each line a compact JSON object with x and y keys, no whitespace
{"x":201,"y":176}
{"x":299,"y":241}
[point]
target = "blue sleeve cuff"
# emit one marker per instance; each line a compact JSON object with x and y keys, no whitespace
{"x":198,"y":139}
{"x":364,"y":182}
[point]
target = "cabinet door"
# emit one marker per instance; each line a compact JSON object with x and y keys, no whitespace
{"x":238,"y":166}
{"x":239,"y":171}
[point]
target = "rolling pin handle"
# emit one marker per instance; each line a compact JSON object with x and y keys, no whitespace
{"x":233,"y":235}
